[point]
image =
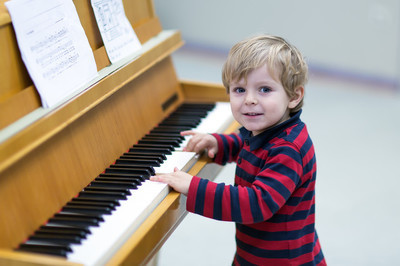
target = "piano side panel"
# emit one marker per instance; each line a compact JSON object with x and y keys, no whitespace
{"x":28,"y":99}
{"x":36,"y":187}
{"x":16,"y":85}
{"x":11,"y":258}
{"x":142,"y":17}
{"x":88,"y":21}
{"x":16,"y":76}
{"x":199,"y":91}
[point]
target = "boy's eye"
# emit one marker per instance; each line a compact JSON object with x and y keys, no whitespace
{"x":239,"y":90}
{"x":265,"y":89}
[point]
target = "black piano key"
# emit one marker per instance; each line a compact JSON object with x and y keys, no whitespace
{"x":149,"y":162}
{"x":123,"y":169}
{"x":166,"y":135}
{"x":96,"y":198}
{"x":139,"y":178}
{"x":112,"y":183}
{"x":46,"y":229}
{"x":154,"y":141}
{"x":124,"y":191}
{"x":46,"y":248}
{"x":56,"y":238}
{"x":183,"y":119}
{"x":107,"y":195}
{"x":87,"y":209}
{"x":147,"y":150}
{"x":179,"y":139}
{"x":151,"y":158}
{"x":67,"y":228}
{"x":134,"y":181}
{"x":179,"y":122}
{"x":189,"y":113}
{"x":134,"y":169}
{"x":84,"y":222}
{"x":195,"y":109}
{"x":196,"y":106}
{"x":147,"y":145}
{"x":63,"y":214}
{"x":109,"y":205}
{"x":159,"y":155}
{"x":165,"y":129}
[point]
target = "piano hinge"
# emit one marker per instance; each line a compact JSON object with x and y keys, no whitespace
{"x":170,"y":101}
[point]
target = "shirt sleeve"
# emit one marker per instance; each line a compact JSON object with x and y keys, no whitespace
{"x":228,"y":147}
{"x":273,"y":185}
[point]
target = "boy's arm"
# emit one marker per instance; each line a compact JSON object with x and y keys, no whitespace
{"x":228,"y":147}
{"x":259,"y":201}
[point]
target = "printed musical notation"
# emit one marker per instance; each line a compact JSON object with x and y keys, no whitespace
{"x":119,"y":38}
{"x":53,"y":46}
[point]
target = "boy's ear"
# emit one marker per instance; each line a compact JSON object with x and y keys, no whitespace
{"x":298,"y":96}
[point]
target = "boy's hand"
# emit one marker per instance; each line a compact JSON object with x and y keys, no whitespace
{"x":178,"y":180}
{"x":200,"y":142}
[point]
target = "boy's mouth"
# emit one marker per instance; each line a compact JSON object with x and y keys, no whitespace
{"x":252,"y":114}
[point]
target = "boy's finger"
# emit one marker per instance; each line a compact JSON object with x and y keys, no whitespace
{"x":154,"y":178}
{"x":187,"y":132}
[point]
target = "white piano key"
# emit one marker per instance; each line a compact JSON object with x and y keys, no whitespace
{"x":217,"y":120}
{"x":183,"y":160}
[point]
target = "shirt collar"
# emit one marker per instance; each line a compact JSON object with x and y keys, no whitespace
{"x":258,"y":141}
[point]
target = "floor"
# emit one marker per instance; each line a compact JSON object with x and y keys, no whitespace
{"x":355,"y":128}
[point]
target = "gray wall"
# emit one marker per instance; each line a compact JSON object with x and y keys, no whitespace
{"x":359,"y":38}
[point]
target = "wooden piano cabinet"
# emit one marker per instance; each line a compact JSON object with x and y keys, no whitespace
{"x":48,"y":155}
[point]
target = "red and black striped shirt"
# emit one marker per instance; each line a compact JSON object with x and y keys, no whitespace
{"x":273,"y":199}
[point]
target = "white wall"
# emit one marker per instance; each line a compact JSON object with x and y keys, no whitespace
{"x":357,"y":37}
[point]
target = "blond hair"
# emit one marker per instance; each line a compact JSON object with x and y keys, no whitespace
{"x":284,"y":62}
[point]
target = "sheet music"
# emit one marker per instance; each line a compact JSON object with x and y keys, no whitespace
{"x":53,"y":46}
{"x":118,"y":36}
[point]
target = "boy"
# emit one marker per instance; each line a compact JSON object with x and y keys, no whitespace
{"x":272,"y":201}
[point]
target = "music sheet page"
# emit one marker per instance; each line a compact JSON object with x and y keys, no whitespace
{"x":118,"y":36}
{"x":53,"y":46}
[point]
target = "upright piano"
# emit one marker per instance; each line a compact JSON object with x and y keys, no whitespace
{"x":54,"y":162}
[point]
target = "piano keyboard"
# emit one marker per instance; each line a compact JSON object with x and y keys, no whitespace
{"x":94,"y":225}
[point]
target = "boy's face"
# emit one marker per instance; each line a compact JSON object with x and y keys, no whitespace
{"x":259,"y":103}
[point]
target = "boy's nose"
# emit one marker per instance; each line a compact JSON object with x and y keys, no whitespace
{"x":250,"y":99}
